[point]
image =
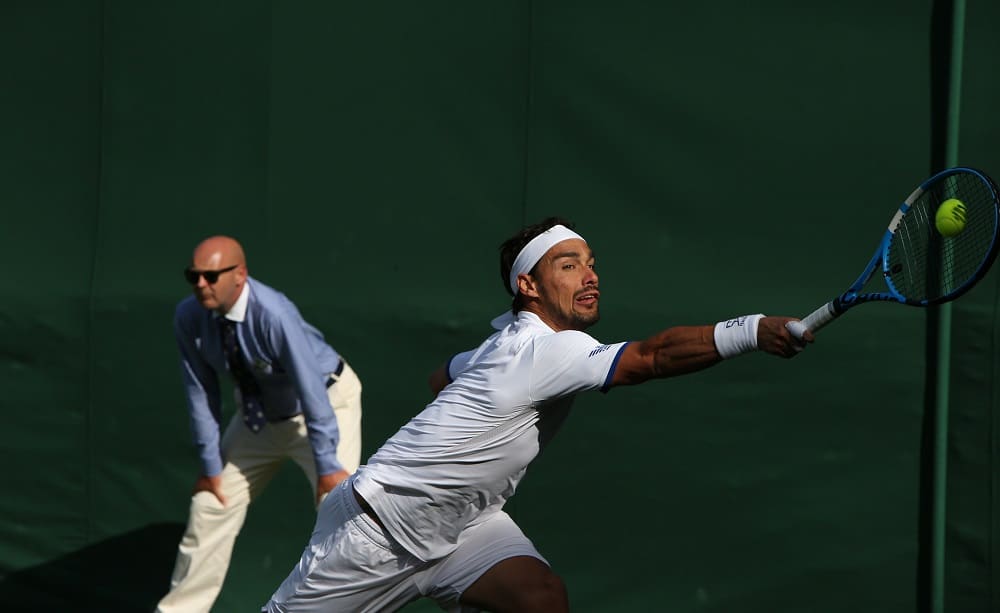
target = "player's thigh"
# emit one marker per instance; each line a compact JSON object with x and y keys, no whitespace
{"x":522,"y":584}
{"x":350,"y":564}
{"x":495,"y":568}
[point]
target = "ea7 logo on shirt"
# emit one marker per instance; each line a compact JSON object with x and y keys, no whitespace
{"x":599,"y":350}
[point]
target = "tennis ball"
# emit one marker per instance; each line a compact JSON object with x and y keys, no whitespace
{"x":950,"y":217}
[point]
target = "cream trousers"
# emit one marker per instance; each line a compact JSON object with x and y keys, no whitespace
{"x":251,"y":461}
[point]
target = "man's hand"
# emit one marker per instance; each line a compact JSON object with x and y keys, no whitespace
{"x":774,"y":338}
{"x":326,"y":483}
{"x":210,"y":484}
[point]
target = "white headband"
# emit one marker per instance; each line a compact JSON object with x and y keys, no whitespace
{"x":536,"y":248}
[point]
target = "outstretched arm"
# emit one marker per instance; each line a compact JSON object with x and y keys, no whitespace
{"x":686,"y":349}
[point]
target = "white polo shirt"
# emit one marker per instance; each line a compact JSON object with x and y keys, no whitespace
{"x":458,"y":461}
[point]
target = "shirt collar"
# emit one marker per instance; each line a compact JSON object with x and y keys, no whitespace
{"x":523,"y":316}
{"x":526,"y":316}
{"x":239,"y":311}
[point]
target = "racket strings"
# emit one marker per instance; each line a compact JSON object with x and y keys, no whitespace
{"x":924,"y":265}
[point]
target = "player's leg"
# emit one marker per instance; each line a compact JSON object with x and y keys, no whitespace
{"x":350,"y":564}
{"x":521,"y":584}
{"x":495,"y":568}
{"x":205,"y":550}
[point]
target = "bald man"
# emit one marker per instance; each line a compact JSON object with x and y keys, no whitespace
{"x":295,"y":398}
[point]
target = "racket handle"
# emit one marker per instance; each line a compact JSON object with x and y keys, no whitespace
{"x":813,"y":321}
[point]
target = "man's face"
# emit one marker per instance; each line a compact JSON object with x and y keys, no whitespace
{"x":566,"y":286}
{"x":222,"y":294}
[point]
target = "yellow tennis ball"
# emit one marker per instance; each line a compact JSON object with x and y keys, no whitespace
{"x":950,"y":217}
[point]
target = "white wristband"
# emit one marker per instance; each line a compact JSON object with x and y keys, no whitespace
{"x":737,"y":336}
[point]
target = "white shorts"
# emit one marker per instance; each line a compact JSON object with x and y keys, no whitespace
{"x":351,"y":564}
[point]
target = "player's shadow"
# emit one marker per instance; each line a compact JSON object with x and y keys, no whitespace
{"x":127,"y":573}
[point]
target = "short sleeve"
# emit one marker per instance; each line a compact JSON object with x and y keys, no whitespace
{"x":569,"y":362}
{"x":458,"y":363}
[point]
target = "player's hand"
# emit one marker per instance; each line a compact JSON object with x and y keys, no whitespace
{"x":774,"y":338}
{"x":210,"y":484}
{"x":326,"y":483}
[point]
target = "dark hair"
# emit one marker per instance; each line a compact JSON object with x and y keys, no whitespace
{"x":513,"y":246}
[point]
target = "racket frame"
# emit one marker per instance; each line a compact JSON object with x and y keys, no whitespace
{"x":850,"y":298}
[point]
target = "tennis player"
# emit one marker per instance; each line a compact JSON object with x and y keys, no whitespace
{"x":424,"y":517}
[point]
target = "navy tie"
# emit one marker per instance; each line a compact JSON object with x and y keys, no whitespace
{"x":253,"y":411}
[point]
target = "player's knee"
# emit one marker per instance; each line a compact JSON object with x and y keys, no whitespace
{"x":546,"y":594}
{"x":521,"y":584}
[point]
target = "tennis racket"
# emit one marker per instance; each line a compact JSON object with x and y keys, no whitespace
{"x":921,"y":264}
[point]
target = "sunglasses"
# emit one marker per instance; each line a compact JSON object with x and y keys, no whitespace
{"x":211,"y":276}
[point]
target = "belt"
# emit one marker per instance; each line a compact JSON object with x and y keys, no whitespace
{"x":367,"y":508}
{"x":340,"y":369}
{"x":330,"y":381}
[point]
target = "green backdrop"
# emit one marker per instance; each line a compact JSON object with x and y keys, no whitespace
{"x":722,"y":158}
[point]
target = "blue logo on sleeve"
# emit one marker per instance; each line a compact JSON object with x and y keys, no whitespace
{"x":599,"y":350}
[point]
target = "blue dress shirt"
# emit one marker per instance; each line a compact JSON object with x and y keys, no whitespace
{"x":289,"y":359}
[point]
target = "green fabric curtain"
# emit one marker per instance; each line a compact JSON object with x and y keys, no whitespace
{"x":721,"y":159}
